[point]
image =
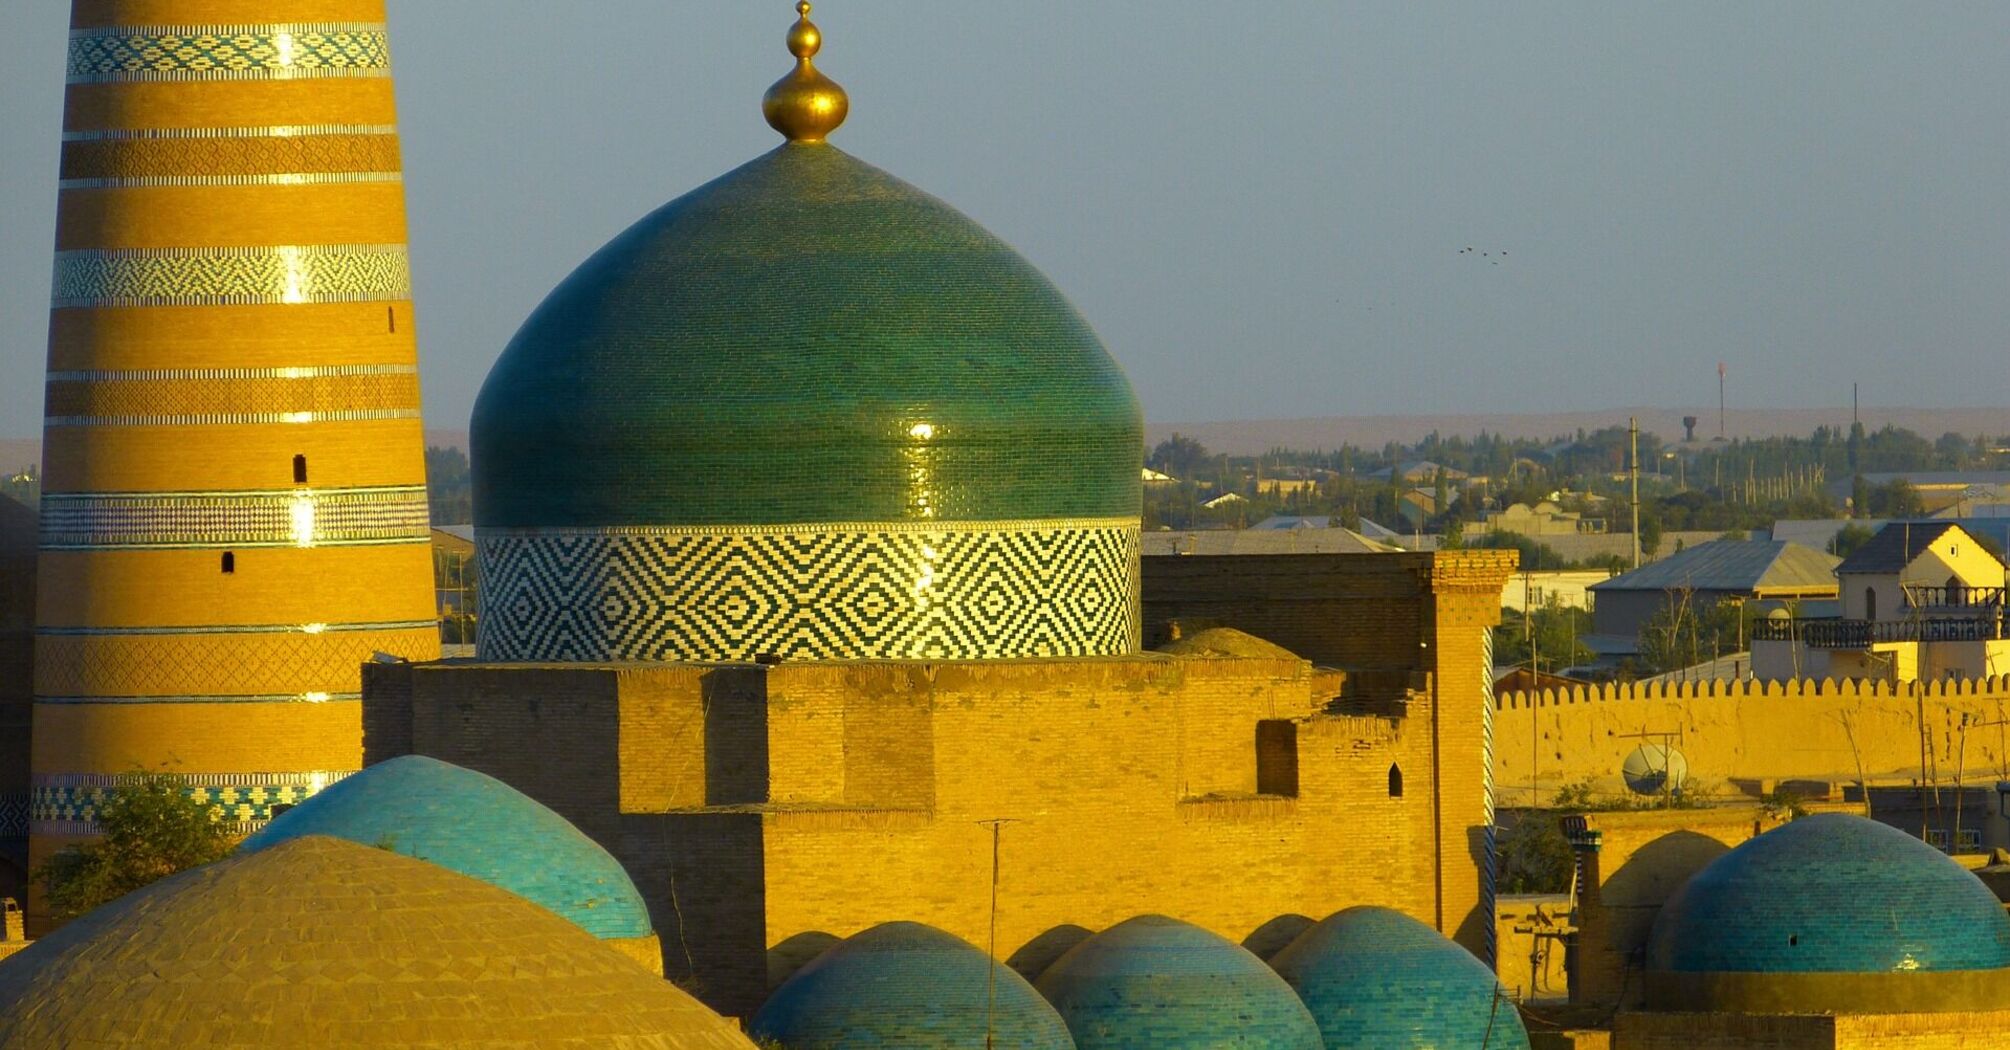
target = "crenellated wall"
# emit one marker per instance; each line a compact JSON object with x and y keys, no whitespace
{"x":1782,"y":730}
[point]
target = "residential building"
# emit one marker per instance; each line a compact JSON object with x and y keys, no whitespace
{"x":1709,"y":573}
{"x":1921,"y":599}
{"x":1543,"y":519}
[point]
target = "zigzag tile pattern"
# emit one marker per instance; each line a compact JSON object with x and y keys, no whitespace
{"x":996,"y":591}
{"x":336,"y":273}
{"x":200,"y":664}
{"x":209,"y":397}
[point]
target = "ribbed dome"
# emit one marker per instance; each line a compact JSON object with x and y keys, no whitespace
{"x":1376,"y":979}
{"x":908,"y":985}
{"x":323,"y":942}
{"x":806,"y":410}
{"x":1153,"y":983}
{"x":1831,"y":893}
{"x":479,"y":826}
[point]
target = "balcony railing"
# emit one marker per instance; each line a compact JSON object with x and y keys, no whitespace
{"x":1862,"y":634}
{"x":1954,"y":597}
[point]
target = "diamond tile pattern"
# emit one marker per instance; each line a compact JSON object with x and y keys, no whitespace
{"x":1002,"y":590}
{"x":227,"y":52}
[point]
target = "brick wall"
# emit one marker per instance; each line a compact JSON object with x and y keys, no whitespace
{"x":1801,"y":729}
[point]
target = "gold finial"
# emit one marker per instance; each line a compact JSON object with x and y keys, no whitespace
{"x":805,"y":105}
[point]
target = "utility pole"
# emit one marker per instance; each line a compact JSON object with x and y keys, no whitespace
{"x":1633,"y":476}
{"x":1720,"y":400}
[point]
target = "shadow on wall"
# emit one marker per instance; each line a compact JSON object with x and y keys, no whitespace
{"x":796,"y":952}
{"x":1655,"y":871}
{"x":1272,"y":937}
{"x":1033,"y":957}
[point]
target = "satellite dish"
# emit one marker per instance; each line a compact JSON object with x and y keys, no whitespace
{"x":1654,"y":769}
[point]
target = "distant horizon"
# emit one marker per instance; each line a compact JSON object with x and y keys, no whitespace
{"x":1246,"y":437}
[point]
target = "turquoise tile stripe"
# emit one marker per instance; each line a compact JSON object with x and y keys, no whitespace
{"x":477,"y":825}
{"x":907,"y":985}
{"x":805,"y":339}
{"x":1153,"y":983}
{"x":1376,"y":979}
{"x":1831,"y":893}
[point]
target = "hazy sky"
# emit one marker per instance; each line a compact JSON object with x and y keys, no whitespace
{"x":1261,"y":206}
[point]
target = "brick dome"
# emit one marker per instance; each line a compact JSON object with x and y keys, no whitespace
{"x":324,"y":942}
{"x":477,"y":825}
{"x":1376,"y":979}
{"x":1831,"y":893}
{"x":908,"y":985}
{"x":1154,"y":983}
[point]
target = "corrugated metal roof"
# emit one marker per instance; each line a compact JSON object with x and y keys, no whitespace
{"x":1732,"y":565}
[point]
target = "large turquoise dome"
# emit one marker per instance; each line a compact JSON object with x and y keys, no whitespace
{"x":1153,"y":983}
{"x":908,"y":985}
{"x":1831,"y":893}
{"x":1376,"y":979}
{"x":476,"y":825}
{"x":806,"y":410}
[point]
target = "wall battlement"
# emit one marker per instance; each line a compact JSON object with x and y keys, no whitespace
{"x":1625,"y":692}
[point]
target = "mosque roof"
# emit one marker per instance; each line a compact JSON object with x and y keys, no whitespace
{"x":1376,"y":979}
{"x":1154,"y":983}
{"x":908,"y":985}
{"x":323,"y":942}
{"x":791,"y":344}
{"x":1831,"y":893}
{"x":479,"y":826}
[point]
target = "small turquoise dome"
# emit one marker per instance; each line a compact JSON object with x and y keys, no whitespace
{"x":476,"y":825}
{"x":1376,"y":979}
{"x":1153,"y":983}
{"x":1831,"y":893}
{"x":908,"y":985}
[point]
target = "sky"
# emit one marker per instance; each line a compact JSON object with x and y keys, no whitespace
{"x":1264,"y":208}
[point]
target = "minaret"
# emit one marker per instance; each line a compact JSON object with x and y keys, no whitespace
{"x":234,"y":509}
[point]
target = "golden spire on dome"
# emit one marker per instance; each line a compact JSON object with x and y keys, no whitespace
{"x":805,"y":105}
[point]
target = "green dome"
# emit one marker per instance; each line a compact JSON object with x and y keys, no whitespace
{"x":806,"y":411}
{"x":762,"y":351}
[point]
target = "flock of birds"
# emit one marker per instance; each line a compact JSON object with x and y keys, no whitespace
{"x":1468,"y":250}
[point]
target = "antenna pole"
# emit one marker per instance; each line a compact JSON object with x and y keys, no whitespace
{"x":1633,"y":478}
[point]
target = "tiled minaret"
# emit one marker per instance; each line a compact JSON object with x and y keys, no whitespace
{"x":234,"y":515}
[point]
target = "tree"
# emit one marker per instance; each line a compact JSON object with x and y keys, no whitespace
{"x":152,"y":827}
{"x":1178,"y":456}
{"x":1849,"y":538}
{"x":1682,"y":634}
{"x":1547,"y":637}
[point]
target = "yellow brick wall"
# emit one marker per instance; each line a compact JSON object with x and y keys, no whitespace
{"x":1683,"y":1031}
{"x":1756,"y":730}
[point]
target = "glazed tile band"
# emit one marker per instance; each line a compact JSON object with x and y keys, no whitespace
{"x":212,"y":520}
{"x":280,"y":274}
{"x":68,"y":803}
{"x":197,"y":664}
{"x":246,"y":132}
{"x":137,"y":375}
{"x":242,"y":628}
{"x":231,"y":698}
{"x":283,"y":51}
{"x":192,"y":399}
{"x":854,"y":591}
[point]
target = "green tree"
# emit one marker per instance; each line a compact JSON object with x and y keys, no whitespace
{"x":152,"y":827}
{"x":1547,"y":637}
{"x":1178,"y":456}
{"x":1849,"y":539}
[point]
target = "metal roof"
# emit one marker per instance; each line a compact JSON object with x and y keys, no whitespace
{"x":1751,"y":566}
{"x":1895,"y":546}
